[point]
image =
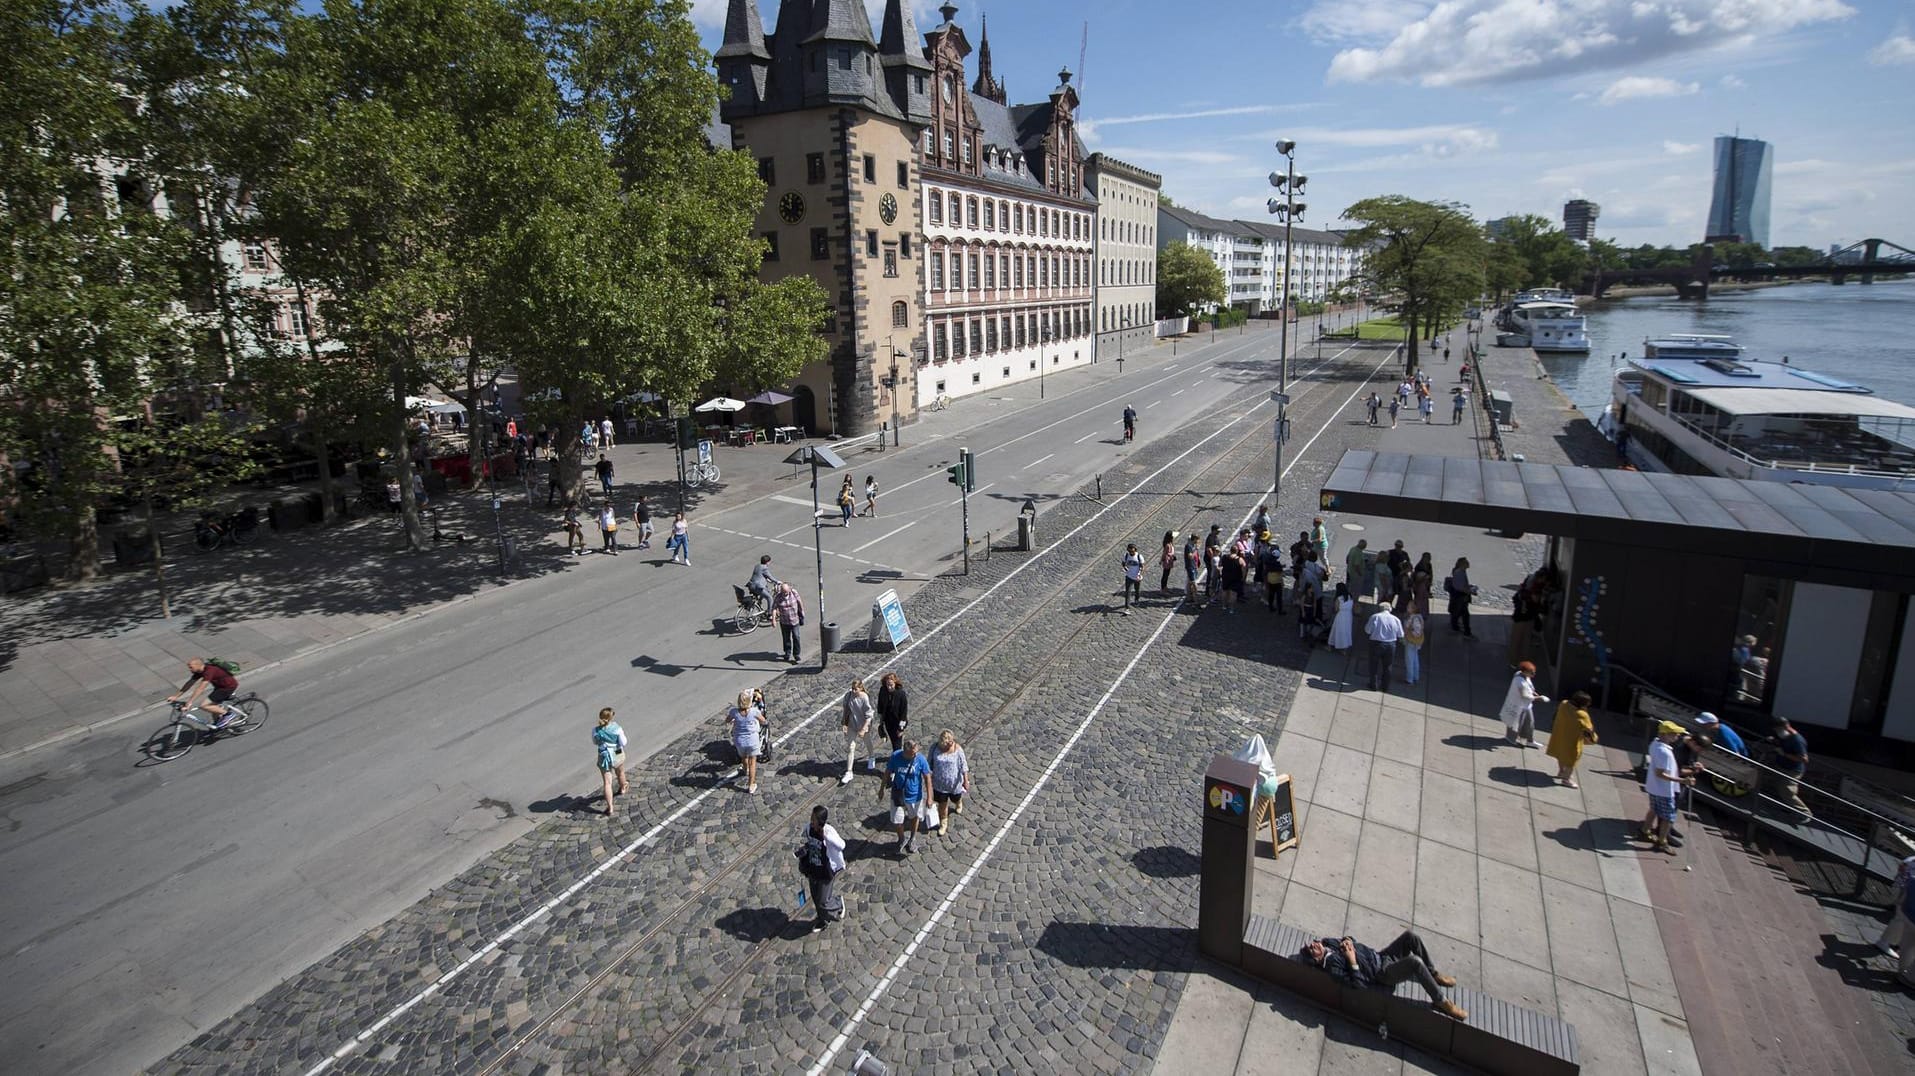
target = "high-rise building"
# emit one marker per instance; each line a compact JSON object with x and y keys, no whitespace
{"x":1739,"y":210}
{"x":1579,"y":219}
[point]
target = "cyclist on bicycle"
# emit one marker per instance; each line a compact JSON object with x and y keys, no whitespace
{"x":207,"y":675}
{"x":1130,"y":421}
{"x":762,"y":581}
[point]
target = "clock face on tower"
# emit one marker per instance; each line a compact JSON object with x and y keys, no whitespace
{"x":792,"y":207}
{"x":888,"y":208}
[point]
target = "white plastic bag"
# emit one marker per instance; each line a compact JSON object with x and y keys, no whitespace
{"x":897,"y":816}
{"x":930,"y":815}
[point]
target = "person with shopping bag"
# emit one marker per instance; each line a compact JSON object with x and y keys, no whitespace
{"x":821,"y":859}
{"x":907,"y":771}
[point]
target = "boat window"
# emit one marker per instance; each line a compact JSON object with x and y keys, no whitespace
{"x":1654,"y":393}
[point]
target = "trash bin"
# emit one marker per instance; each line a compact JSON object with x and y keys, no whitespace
{"x":131,"y":549}
{"x":829,"y":636}
{"x":289,"y":513}
{"x":1026,"y":533}
{"x":1503,"y":407}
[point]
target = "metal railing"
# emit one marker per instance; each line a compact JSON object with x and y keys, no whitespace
{"x":1779,"y":464}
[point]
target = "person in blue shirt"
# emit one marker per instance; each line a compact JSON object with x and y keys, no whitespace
{"x":1724,"y":736}
{"x":907,"y":770}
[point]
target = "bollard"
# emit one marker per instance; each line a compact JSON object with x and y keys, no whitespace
{"x":1026,"y":533}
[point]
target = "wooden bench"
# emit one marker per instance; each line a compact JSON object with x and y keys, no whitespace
{"x":1498,"y":1038}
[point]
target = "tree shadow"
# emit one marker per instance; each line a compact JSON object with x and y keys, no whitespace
{"x":1166,"y":861}
{"x":1519,"y":777}
{"x":1107,"y":945}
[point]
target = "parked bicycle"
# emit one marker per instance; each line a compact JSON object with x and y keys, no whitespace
{"x":212,"y":531}
{"x":941,"y":402}
{"x":697,"y":474}
{"x":190,"y":725}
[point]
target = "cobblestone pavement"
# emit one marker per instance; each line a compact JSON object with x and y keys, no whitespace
{"x":1065,"y":944}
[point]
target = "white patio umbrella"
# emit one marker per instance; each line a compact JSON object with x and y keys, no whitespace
{"x":721,"y":403}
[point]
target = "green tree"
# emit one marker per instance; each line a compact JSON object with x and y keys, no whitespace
{"x":1503,"y":269}
{"x":1549,"y":258}
{"x":1188,"y":281}
{"x":1426,"y":258}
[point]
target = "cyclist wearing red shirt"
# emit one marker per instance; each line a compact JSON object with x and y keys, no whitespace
{"x":207,"y":675}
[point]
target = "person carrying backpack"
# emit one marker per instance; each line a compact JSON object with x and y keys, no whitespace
{"x":215,"y":676}
{"x":821,"y":859}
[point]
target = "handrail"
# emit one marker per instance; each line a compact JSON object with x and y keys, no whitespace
{"x":1779,"y":464}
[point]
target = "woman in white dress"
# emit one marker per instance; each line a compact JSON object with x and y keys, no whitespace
{"x":1341,"y":628}
{"x":1519,"y":718}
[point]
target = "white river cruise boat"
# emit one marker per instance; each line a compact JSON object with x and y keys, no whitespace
{"x":1694,"y":405}
{"x":1546,"y":319}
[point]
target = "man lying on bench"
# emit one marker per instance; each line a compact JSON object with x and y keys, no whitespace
{"x":1354,"y":964}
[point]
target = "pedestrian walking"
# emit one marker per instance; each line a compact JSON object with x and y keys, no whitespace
{"x":1395,"y":405}
{"x":1371,"y":405}
{"x":1791,"y":757}
{"x":894,"y":709}
{"x":950,"y":780}
{"x":855,"y":714}
{"x":788,"y":609}
{"x":1897,"y":940}
{"x":1661,"y":781}
{"x":603,"y":468}
{"x":1262,"y":522}
{"x":1413,"y":635}
{"x":1231,"y":567}
{"x":1427,"y":404}
{"x":1270,"y":570}
{"x":1421,"y":578}
{"x":1457,"y":401}
{"x":574,"y":530}
{"x":1569,"y":733}
{"x":1384,"y":631}
{"x":1213,"y":562}
{"x":608,"y":527}
{"x":1168,"y":556}
{"x":1446,"y":349}
{"x":846,"y":501}
{"x":1460,"y":590}
{"x":821,"y":860}
{"x":608,"y":744}
{"x":747,"y":725}
{"x":680,"y":543}
{"x":1356,"y":568}
{"x":642,"y":519}
{"x":1342,"y":627}
{"x":1385,"y":581}
{"x":870,"y":497}
{"x":1133,"y":576}
{"x":1310,"y":587}
{"x":605,"y":439}
{"x":907,"y":771}
{"x":1320,"y":535}
{"x":1519,"y":702}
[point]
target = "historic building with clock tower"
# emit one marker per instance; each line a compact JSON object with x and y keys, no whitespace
{"x":834,"y":118}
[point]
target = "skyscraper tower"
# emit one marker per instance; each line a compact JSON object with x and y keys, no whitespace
{"x":1739,"y":210}
{"x":1579,"y":218}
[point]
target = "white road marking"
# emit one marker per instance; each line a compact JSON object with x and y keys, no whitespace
{"x":1178,"y":393}
{"x":625,"y":853}
{"x":974,"y":493}
{"x":1036,"y":461}
{"x":950,"y":899}
{"x":882,"y":537}
{"x":1152,"y":404}
{"x":802,"y":502}
{"x":1086,"y":437}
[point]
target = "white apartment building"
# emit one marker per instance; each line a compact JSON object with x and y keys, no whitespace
{"x":1318,"y":262}
{"x":1126,"y":254}
{"x":1243,"y":275}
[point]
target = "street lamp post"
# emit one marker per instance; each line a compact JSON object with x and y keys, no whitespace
{"x":816,"y":456}
{"x":1289,"y":210}
{"x":1043,"y":349}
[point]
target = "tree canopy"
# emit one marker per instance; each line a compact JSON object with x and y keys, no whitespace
{"x":1188,"y":282}
{"x":1425,"y":258}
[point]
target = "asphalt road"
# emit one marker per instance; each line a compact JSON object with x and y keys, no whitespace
{"x":144,"y":903}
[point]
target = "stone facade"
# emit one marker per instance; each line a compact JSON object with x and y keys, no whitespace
{"x":1126,"y":254}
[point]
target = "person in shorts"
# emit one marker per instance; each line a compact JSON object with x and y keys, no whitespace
{"x":950,"y":780}
{"x":608,"y":745}
{"x":202,"y":676}
{"x":907,"y":771}
{"x":1663,"y":780}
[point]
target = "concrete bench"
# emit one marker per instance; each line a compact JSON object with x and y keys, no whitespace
{"x":1498,"y":1038}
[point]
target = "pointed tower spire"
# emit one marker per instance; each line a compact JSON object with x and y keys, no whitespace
{"x":907,"y":73}
{"x":744,"y":32}
{"x":743,"y":61}
{"x":987,"y":86}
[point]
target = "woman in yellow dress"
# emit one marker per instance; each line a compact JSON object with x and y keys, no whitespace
{"x":1571,"y":730}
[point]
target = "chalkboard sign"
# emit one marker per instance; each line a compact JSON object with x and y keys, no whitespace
{"x":1278,"y":811}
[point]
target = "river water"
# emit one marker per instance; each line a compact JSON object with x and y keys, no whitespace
{"x":1864,"y":334}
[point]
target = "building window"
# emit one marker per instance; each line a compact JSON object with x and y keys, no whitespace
{"x":771,"y":246}
{"x":814,"y":167}
{"x":904,"y":246}
{"x":974,"y":273}
{"x":1005,"y":330}
{"x":900,"y":315}
{"x":890,"y":260}
{"x":296,"y":319}
{"x":1019,"y":323}
{"x":950,"y":150}
{"x":1004,"y":216}
{"x":930,"y":143}
{"x":904,"y":175}
{"x":871,"y":243}
{"x":1043,"y":223}
{"x":941,"y":342}
{"x":957,"y":271}
{"x":936,"y":262}
{"x":1004,"y":269}
{"x":1017,"y":218}
{"x":990,"y":215}
{"x":990,"y":335}
{"x":917,"y":83}
{"x":977,"y":338}
{"x":870,"y":168}
{"x":957,"y":338}
{"x":970,"y":211}
{"x":990,"y":272}
{"x":1043,"y":273}
{"x":970,"y":150}
{"x":937,"y":208}
{"x":1017,"y":272}
{"x":976,"y":378}
{"x":820,"y":244}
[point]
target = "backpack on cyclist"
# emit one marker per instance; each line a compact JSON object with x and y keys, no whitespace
{"x":231,"y":666}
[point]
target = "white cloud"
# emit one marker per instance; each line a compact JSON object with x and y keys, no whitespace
{"x":1679,"y":149}
{"x":1732,"y":82}
{"x":1899,"y":49}
{"x":1637,"y":86}
{"x":1461,"y":42}
{"x":1172,"y":156}
{"x":1201,"y":113}
{"x":1439,"y":139}
{"x":1329,"y":21}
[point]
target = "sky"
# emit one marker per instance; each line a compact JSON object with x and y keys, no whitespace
{"x":1507,"y":106}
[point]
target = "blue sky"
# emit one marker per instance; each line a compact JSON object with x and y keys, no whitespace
{"x":1510,"y":106}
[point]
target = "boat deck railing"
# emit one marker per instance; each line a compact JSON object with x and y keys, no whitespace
{"x":1877,"y":468}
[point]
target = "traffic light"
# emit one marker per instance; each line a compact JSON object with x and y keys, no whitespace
{"x":687,"y":433}
{"x":956,"y":473}
{"x":970,"y":469}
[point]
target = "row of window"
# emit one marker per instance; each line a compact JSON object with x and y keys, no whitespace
{"x":1128,"y":231}
{"x":989,"y":272}
{"x":1128,"y":271}
{"x":815,"y":170}
{"x":892,"y":250}
{"x":999,"y":215}
{"x":1125,"y":315}
{"x":954,"y":338}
